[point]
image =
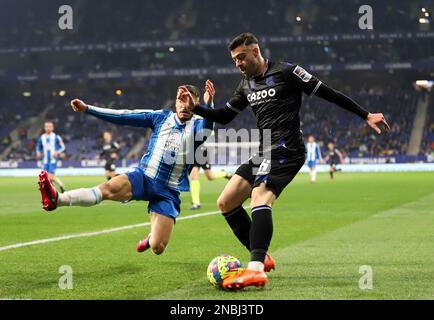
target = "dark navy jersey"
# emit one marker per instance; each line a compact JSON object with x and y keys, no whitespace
{"x":108,"y":149}
{"x":275,"y":98}
{"x":333,"y":155}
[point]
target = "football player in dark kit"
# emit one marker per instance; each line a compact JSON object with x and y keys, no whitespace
{"x":274,"y":92}
{"x":109,"y":153}
{"x":333,"y":157}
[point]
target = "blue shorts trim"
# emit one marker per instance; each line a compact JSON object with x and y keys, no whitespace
{"x":162,"y":200}
{"x":50,"y":167}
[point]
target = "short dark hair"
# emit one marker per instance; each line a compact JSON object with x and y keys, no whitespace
{"x":246,"y":39}
{"x":195,"y":91}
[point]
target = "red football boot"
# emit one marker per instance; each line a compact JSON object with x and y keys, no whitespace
{"x":269,"y":263}
{"x":244,"y":278}
{"x":144,"y":244}
{"x":48,"y":192}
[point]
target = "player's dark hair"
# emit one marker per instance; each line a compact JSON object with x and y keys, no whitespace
{"x":246,"y":39}
{"x":195,"y":91}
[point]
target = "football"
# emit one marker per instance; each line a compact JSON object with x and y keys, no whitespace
{"x":220,"y":267}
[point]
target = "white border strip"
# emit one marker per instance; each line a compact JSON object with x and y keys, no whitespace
{"x":386,"y":167}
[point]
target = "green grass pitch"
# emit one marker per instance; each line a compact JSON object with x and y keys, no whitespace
{"x":323,"y":234}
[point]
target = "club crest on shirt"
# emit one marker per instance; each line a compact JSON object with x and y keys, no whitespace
{"x":172,"y":147}
{"x":173,"y":141}
{"x":302,"y":74}
{"x":270,"y":81}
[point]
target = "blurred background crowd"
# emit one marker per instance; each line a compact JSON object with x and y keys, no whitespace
{"x":138,"y":58}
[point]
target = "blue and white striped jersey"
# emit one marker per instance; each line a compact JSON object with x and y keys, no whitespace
{"x":172,"y":145}
{"x":47,"y":145}
{"x":313,"y":152}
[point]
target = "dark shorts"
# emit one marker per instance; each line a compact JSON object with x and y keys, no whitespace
{"x":202,"y":164}
{"x":205,"y":166}
{"x":334,"y":162}
{"x":110,"y":166}
{"x":276,"y":170}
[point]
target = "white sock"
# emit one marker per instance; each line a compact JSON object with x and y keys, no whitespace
{"x":256,"y":265}
{"x":80,"y":197}
{"x":313,"y":175}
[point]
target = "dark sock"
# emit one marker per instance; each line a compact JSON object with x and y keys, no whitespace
{"x":261,"y":232}
{"x":240,"y":223}
{"x":331,"y":174}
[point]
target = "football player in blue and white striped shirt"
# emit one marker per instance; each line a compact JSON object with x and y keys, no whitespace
{"x":163,"y":170}
{"x":49,"y":148}
{"x":313,"y":155}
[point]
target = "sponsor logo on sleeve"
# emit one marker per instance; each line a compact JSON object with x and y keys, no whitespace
{"x":302,"y":74}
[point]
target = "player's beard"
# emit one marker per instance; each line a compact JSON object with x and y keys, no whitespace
{"x":185,"y":117}
{"x":246,"y":72}
{"x":251,"y":71}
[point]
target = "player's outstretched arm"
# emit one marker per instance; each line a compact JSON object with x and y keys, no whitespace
{"x":78,"y":105}
{"x":136,"y":118}
{"x":375,"y":119}
{"x":208,"y":98}
{"x":338,"y":98}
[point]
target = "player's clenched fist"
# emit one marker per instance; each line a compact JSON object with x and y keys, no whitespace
{"x":78,"y":105}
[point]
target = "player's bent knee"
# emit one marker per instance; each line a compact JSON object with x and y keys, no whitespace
{"x":158,"y":248}
{"x":224,"y":205}
{"x":105,"y":190}
{"x":113,"y":191}
{"x":209,"y":176}
{"x":221,"y":204}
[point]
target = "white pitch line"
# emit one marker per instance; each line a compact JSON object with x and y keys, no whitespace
{"x":96,"y":233}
